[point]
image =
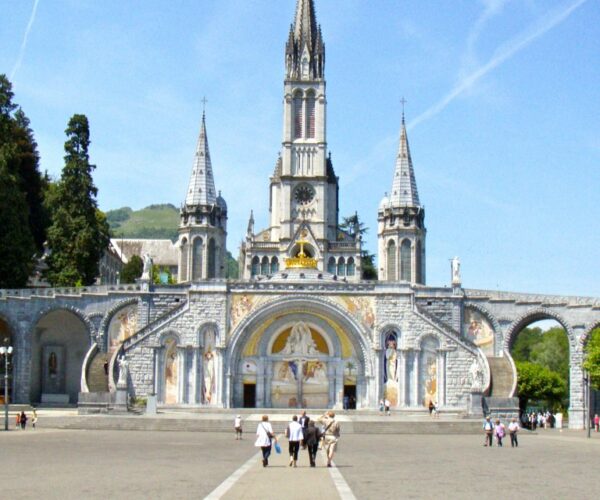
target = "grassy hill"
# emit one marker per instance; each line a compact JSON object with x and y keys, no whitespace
{"x":155,"y":221}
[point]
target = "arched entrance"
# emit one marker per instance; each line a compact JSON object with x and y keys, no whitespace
{"x":296,"y":353}
{"x":60,"y":341}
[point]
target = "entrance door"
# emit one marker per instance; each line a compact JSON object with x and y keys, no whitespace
{"x":350,"y":393}
{"x":249,"y":395}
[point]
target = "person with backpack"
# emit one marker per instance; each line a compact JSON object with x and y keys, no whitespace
{"x":331,"y":434}
{"x":500,"y":432}
{"x":488,"y":429}
{"x":294,"y":435}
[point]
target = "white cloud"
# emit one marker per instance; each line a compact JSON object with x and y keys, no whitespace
{"x":24,"y":43}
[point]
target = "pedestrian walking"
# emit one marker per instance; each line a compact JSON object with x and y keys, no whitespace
{"x":513,"y":429}
{"x":294,"y":435}
{"x":23,"y":419}
{"x":499,"y":431}
{"x":597,"y":422}
{"x":237,"y":425}
{"x":488,"y":429}
{"x":431,"y":408}
{"x":264,"y":439}
{"x":311,"y":440}
{"x":331,"y":434}
{"x":304,"y":423}
{"x":18,"y":421}
{"x":34,"y":419}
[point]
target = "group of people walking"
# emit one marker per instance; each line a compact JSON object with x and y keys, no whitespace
{"x":324,"y":432}
{"x":21,"y":420}
{"x":498,"y":430}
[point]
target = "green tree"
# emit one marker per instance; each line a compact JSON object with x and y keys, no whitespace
{"x":79,"y":233}
{"x":539,"y":384}
{"x":16,"y":243}
{"x":17,"y":247}
{"x":132,"y":270}
{"x":592,"y":359}
{"x":233,"y":268}
{"x":353,"y":226}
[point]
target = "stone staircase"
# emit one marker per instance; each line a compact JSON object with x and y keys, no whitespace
{"x":96,"y":377}
{"x":502,"y":377}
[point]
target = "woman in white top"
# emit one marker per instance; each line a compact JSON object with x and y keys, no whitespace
{"x":264,"y":438}
{"x":294,"y":435}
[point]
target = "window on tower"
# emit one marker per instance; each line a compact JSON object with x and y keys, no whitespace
{"x":310,"y":115}
{"x":298,"y":116}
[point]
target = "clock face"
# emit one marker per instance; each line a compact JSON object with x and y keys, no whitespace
{"x":304,"y":194}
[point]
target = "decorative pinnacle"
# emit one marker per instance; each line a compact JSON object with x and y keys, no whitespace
{"x":403,"y":102}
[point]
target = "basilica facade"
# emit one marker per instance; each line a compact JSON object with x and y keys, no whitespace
{"x":300,"y":327}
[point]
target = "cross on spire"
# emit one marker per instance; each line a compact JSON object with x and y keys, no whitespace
{"x":403,"y":102}
{"x":204,"y":101}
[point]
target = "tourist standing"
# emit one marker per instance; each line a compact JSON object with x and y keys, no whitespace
{"x":264,"y":439}
{"x":488,"y":429}
{"x":23,"y":420}
{"x":331,"y":434}
{"x":34,"y":418}
{"x":513,"y":428}
{"x":294,"y":435}
{"x":311,"y":440}
{"x":499,"y":431}
{"x":237,"y":425}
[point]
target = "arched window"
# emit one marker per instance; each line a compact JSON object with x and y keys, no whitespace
{"x":331,"y":265}
{"x":391,"y":261}
{"x":310,"y":115}
{"x":183,"y":266}
{"x":274,"y":265}
{"x":212,"y":259}
{"x":264,"y":266}
{"x":405,"y":261}
{"x":350,"y":267}
{"x":197,"y":259}
{"x":419,"y":263}
{"x":341,"y":267}
{"x":255,"y":268}
{"x":298,"y":115}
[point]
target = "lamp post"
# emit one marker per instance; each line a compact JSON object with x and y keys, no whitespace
{"x":5,"y":351}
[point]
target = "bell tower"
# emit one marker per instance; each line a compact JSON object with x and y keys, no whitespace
{"x":401,"y":223}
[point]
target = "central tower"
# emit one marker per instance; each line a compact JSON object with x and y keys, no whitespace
{"x":303,"y":218}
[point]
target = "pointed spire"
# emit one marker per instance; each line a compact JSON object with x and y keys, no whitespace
{"x":250,"y":230}
{"x":305,"y":50}
{"x":201,"y":190}
{"x":404,"y":187}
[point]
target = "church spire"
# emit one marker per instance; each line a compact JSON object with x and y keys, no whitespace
{"x":404,"y":187}
{"x":201,"y":190}
{"x":305,"y":50}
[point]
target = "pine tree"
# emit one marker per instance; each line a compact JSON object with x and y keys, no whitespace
{"x":353,"y":226}
{"x":16,"y":242}
{"x":79,"y":233}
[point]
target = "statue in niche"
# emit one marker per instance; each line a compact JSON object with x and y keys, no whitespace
{"x":476,"y":374}
{"x":300,"y":341}
{"x":209,"y":375}
{"x":52,"y":365}
{"x":391,"y":359}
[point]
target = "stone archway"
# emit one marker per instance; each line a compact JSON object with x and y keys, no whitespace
{"x":60,"y":341}
{"x":296,"y":352}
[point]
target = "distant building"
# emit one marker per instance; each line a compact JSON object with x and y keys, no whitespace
{"x":164,"y":253}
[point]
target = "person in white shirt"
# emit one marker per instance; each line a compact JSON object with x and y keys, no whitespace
{"x":264,"y":439}
{"x":294,"y":435}
{"x":237,"y":425}
{"x":513,"y":428}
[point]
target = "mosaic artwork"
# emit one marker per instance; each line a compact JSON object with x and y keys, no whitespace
{"x":361,"y":308}
{"x":208,"y":366}
{"x":429,"y":381}
{"x":478,"y":330}
{"x":284,"y":385}
{"x":171,"y":372}
{"x":122,"y":326}
{"x":390,"y":375}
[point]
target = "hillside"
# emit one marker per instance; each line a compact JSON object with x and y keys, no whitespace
{"x":155,"y":221}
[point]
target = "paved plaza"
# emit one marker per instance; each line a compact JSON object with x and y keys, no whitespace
{"x":48,"y":463}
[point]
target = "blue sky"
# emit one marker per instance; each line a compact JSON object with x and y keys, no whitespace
{"x":503,"y":112}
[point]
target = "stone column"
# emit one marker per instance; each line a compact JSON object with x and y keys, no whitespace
{"x":402,"y":353}
{"x":339,"y":383}
{"x":260,"y":383}
{"x":577,"y":416}
{"x":157,"y":377}
{"x":331,"y":378}
{"x":416,"y":374}
{"x":441,"y":396}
